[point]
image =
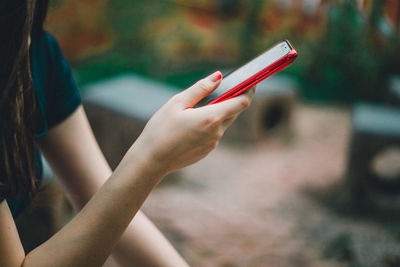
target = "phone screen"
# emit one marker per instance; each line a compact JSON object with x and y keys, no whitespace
{"x":253,"y":67}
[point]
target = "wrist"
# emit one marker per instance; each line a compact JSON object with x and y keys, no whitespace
{"x":146,"y":162}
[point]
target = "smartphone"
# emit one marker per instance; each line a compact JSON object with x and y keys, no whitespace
{"x":242,"y":79}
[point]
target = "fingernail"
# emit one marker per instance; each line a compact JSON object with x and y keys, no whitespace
{"x":216,"y":76}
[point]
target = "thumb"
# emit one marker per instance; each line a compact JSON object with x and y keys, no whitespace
{"x":200,"y":89}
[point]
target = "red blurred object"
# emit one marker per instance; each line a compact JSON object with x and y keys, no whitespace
{"x":391,"y":9}
{"x":81,"y":27}
{"x":393,"y":12}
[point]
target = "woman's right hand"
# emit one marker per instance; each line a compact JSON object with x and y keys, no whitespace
{"x":179,"y":135}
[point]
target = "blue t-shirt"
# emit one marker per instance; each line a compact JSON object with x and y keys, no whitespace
{"x":57,"y":97}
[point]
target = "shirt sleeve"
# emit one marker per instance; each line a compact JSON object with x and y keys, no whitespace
{"x":62,"y":94}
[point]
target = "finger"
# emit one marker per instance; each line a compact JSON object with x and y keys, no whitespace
{"x":199,"y":90}
{"x":233,"y":106}
{"x":252,"y":91}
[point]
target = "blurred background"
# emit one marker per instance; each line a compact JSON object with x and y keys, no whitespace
{"x":346,"y":53}
{"x":309,"y":175}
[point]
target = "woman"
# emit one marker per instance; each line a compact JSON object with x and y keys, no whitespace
{"x":41,"y":110}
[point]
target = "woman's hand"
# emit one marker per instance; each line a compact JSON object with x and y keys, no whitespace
{"x":179,"y":135}
{"x":176,"y":136}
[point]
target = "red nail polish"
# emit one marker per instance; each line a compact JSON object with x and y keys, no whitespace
{"x":216,"y":76}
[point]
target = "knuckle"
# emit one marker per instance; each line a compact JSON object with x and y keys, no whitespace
{"x":245,"y":103}
{"x":176,"y":98}
{"x":207,"y":122}
{"x":219,"y":134}
{"x":211,"y":122}
{"x":203,"y":85}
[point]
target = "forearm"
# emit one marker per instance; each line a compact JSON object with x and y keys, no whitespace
{"x":89,"y":238}
{"x":141,"y":243}
{"x":83,"y":173}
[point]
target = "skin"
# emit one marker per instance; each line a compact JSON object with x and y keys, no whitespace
{"x":108,"y":203}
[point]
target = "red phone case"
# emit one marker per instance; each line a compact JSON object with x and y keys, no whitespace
{"x":258,"y":77}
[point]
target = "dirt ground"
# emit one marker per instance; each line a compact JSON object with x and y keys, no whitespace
{"x":251,"y":205}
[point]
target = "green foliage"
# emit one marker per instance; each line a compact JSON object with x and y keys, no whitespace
{"x":353,"y":60}
{"x":128,"y":19}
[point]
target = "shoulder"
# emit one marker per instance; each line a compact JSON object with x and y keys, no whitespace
{"x":53,"y":81}
{"x":45,"y":49}
{"x":50,"y":42}
{"x":45,"y":40}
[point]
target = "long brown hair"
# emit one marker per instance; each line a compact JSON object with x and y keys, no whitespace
{"x":17,"y":99}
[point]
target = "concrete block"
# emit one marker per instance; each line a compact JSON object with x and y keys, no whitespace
{"x":270,"y":113}
{"x":119,"y":108}
{"x":376,"y":128}
{"x":393,"y":95}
